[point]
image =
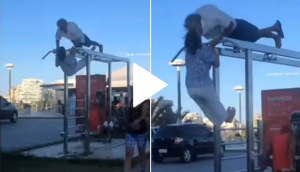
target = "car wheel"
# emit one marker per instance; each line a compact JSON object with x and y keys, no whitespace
{"x":186,"y":156}
{"x":157,"y":159}
{"x":14,"y":117}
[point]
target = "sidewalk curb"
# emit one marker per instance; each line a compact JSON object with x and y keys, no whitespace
{"x":24,"y":149}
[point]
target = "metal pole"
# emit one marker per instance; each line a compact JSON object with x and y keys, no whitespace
{"x":240,"y":111}
{"x":9,"y":84}
{"x":128,"y":86}
{"x":260,"y":144}
{"x":66,"y":114}
{"x":179,"y":94}
{"x":88,"y":105}
{"x":109,"y":97}
{"x":249,"y":110}
{"x":217,"y":129}
{"x":109,"y":90}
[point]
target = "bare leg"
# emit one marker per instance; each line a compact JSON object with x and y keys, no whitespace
{"x":268,"y":33}
{"x":143,"y":158}
{"x":128,"y":158}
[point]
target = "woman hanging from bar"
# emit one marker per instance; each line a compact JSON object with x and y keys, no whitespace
{"x":216,"y":25}
{"x":67,"y":61}
{"x":199,"y":60}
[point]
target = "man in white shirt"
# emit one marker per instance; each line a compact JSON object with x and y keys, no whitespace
{"x":215,"y":24}
{"x":67,"y":61}
{"x":71,"y":31}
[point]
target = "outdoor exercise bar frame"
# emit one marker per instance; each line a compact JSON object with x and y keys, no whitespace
{"x":89,"y":56}
{"x":244,"y":50}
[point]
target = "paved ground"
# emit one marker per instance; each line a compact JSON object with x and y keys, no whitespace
{"x":203,"y":164}
{"x":30,"y":132}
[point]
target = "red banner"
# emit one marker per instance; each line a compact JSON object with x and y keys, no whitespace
{"x":277,"y":106}
{"x":98,"y":82}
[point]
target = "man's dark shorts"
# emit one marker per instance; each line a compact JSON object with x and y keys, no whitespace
{"x":87,"y":42}
{"x":245,"y":31}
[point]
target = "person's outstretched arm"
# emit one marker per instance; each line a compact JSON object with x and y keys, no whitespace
{"x":57,"y":41}
{"x":217,"y":57}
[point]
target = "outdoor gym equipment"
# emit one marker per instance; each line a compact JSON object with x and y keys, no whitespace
{"x":99,"y":57}
{"x":248,"y":51}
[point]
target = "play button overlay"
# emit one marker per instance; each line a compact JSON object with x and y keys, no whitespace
{"x":145,"y":84}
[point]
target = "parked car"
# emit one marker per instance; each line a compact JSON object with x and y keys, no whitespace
{"x":8,"y":110}
{"x":185,"y":141}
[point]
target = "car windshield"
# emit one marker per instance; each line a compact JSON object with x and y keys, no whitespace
{"x":170,"y":131}
{"x":3,"y":100}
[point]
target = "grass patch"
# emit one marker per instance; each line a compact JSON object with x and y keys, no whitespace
{"x":21,"y":163}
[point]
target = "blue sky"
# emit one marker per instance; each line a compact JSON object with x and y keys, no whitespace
{"x":167,"y":38}
{"x":28,"y":29}
{"x":28,"y":33}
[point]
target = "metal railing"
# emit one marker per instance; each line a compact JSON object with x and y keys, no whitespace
{"x":258,"y":153}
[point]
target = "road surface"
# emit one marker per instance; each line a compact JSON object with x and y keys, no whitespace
{"x":30,"y":132}
{"x":202,"y":164}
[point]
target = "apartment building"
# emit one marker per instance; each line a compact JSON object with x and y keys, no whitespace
{"x":31,"y":90}
{"x":15,"y":93}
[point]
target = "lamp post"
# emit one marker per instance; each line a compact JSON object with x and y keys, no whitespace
{"x":9,"y":66}
{"x":178,"y":63}
{"x":239,"y":89}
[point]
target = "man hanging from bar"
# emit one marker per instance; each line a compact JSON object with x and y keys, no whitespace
{"x":199,"y":59}
{"x":66,"y":59}
{"x":216,"y":24}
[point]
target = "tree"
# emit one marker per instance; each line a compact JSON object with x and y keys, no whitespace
{"x":162,"y":115}
{"x":184,"y":113}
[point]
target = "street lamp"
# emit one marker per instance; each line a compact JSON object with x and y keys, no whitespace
{"x":178,"y":63}
{"x":239,"y":89}
{"x":9,"y":66}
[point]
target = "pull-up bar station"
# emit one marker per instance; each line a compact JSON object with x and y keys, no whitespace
{"x":248,"y":51}
{"x":89,"y":56}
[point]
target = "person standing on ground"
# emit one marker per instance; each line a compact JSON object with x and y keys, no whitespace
{"x":216,"y":24}
{"x":136,"y":135}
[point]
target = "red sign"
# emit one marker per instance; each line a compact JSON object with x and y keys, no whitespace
{"x":277,"y":106}
{"x":98,"y":82}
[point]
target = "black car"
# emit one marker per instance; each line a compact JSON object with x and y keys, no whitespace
{"x":8,"y":110}
{"x":185,"y":141}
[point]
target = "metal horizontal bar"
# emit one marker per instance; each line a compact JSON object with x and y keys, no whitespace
{"x":258,"y":57}
{"x":74,"y":126}
{"x":256,"y":169}
{"x":76,"y":117}
{"x":232,"y":129}
{"x":79,"y":108}
{"x":98,"y":56}
{"x":75,"y":135}
{"x":234,"y":157}
{"x":262,"y":48}
{"x":77,"y":100}
{"x":234,"y":143}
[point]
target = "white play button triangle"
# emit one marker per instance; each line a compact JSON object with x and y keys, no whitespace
{"x":144,"y":84}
